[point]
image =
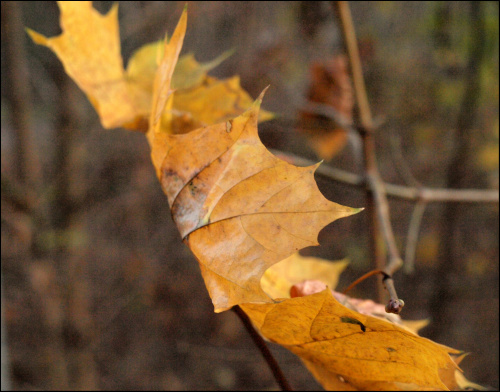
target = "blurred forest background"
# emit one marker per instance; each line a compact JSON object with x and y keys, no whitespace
{"x":98,"y":291}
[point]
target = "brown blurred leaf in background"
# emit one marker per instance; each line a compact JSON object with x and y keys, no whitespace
{"x":331,"y":86}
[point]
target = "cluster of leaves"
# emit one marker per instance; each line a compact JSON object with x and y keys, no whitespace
{"x":243,"y":212}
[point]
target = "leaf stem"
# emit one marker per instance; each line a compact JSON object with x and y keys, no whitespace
{"x":264,"y":350}
{"x":359,"y":280}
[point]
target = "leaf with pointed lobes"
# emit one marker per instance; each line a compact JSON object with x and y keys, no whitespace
{"x":238,"y":207}
{"x":89,"y":48}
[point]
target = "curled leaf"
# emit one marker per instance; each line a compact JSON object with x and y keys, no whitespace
{"x":238,"y":207}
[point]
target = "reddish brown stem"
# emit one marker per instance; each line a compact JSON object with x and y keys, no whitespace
{"x":359,"y":280}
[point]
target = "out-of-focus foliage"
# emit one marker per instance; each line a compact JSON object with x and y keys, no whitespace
{"x":89,"y":48}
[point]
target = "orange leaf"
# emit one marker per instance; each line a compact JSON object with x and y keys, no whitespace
{"x":209,"y":103}
{"x":346,"y":350}
{"x":238,"y":207}
{"x":89,"y":49}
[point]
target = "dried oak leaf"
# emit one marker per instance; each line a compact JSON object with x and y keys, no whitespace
{"x":346,"y":350}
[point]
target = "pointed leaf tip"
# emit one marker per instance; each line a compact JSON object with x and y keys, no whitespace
{"x":256,"y":104}
{"x":259,"y":98}
{"x":37,"y":38}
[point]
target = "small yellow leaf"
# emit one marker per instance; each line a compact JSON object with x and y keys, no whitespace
{"x":278,"y":279}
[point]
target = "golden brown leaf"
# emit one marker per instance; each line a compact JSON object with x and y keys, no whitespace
{"x":238,"y":207}
{"x":363,"y":306}
{"x":188,"y":73}
{"x":346,"y":350}
{"x":209,"y":103}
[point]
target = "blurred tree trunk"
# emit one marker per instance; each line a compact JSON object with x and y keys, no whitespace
{"x":71,"y":269}
{"x":450,"y":265}
{"x":18,"y":91}
{"x":5,"y":370}
{"x":28,"y":181}
{"x":57,"y":274}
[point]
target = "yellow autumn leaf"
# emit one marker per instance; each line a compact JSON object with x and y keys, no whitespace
{"x":279,"y":278}
{"x":346,"y":350}
{"x":142,"y":67}
{"x":238,"y":207}
{"x":209,"y":103}
{"x":298,"y":276}
{"x":89,"y":48}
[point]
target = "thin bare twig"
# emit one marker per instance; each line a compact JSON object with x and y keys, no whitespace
{"x":378,"y":206}
{"x":412,"y":237}
{"x":359,"y":280}
{"x":262,"y":346}
{"x":400,"y":163}
{"x":423,"y":194}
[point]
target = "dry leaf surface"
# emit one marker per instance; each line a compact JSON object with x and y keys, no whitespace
{"x":346,"y":350}
{"x":238,"y":207}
